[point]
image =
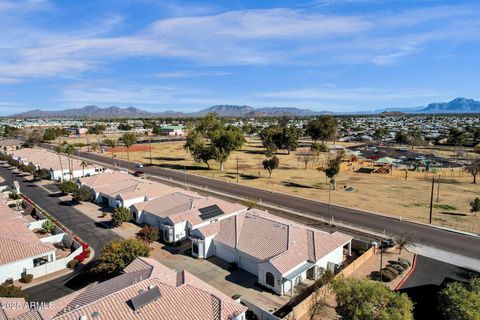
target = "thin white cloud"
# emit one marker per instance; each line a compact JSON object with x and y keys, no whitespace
{"x":191,"y":74}
{"x":244,"y":37}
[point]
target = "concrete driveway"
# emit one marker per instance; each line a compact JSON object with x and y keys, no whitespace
{"x":214,"y":272}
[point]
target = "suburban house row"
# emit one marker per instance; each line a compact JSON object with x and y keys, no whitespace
{"x":26,"y":249}
{"x":145,"y":290}
{"x":57,"y":165}
{"x":280,"y":252}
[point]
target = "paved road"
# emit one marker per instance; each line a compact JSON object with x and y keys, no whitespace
{"x":73,"y":219}
{"x":427,"y":280}
{"x":423,"y":234}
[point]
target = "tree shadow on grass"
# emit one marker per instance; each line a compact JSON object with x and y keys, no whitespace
{"x":169,"y":158}
{"x":253,"y":152}
{"x":295,"y":185}
{"x":458,"y":214}
{"x":248,"y":176}
{"x":181,"y":167}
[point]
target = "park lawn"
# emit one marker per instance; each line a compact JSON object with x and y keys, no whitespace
{"x":379,"y":193}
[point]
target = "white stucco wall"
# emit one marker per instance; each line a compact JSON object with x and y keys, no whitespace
{"x":14,"y":270}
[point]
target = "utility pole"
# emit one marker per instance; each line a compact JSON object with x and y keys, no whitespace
{"x":185,"y":173}
{"x":150,"y":151}
{"x":381,"y":260}
{"x":431,"y":199}
{"x":329,"y":202}
{"x":237,"y":169}
{"x":438,"y":188}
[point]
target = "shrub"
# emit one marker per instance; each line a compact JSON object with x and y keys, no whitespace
{"x":392,"y":270}
{"x":11,"y":291}
{"x":404,"y":262}
{"x":398,"y":267}
{"x":72,"y":264}
{"x":120,"y":215}
{"x":48,"y":226}
{"x":148,"y":234}
{"x":26,"y":278}
{"x":68,"y":186}
{"x":236,"y":296}
{"x":9,"y":281}
{"x":82,"y":194}
{"x":387,"y":275}
{"x":14,"y":195}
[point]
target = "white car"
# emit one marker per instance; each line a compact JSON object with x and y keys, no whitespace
{"x":139,"y":165}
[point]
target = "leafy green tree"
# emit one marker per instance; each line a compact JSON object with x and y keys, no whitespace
{"x":119,"y":253}
{"x":49,"y":135}
{"x":380,"y":133}
{"x":11,"y":291}
{"x":94,"y":146}
{"x":83,"y":194}
{"x":84,"y":164}
{"x":322,"y":128}
{"x":365,"y":299}
{"x":68,"y":186}
{"x":267,"y":134}
{"x":48,"y":226}
{"x":198,"y":148}
{"x":120,"y":215}
{"x":148,"y":234}
{"x":124,"y":127}
{"x":333,"y":168}
{"x":111,"y":143}
{"x":41,"y":174}
{"x":287,"y":138}
{"x":475,"y":206}
{"x":96,"y":129}
{"x":271,"y":164}
{"x":401,"y":137}
{"x":458,"y":301}
{"x":129,"y":139}
{"x":456,"y":136}
{"x":474,"y":169}
{"x":224,"y":142}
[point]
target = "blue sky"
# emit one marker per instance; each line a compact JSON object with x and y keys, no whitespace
{"x":338,"y":55}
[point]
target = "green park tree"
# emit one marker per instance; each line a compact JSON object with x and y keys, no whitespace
{"x":364,"y":299}
{"x":148,"y":234}
{"x":322,"y":128}
{"x":458,"y":301}
{"x":117,"y":254}
{"x":475,"y":206}
{"x":333,"y":168}
{"x":129,"y":139}
{"x":271,"y":164}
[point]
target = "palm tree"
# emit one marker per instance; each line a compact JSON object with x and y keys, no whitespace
{"x":69,"y":151}
{"x":111,"y":143}
{"x":59,"y":151}
{"x":84,"y":164}
{"x":94,"y":146}
{"x":129,"y":140}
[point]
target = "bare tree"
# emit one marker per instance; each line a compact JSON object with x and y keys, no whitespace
{"x":402,"y":241}
{"x":474,"y":169}
{"x":305,"y":155}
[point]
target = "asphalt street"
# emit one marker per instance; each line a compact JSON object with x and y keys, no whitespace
{"x":73,"y":219}
{"x":423,"y":234}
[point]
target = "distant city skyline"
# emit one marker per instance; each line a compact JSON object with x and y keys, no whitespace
{"x":323,"y":55}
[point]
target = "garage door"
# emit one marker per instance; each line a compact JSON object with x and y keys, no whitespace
{"x":224,"y":252}
{"x":248,"y":264}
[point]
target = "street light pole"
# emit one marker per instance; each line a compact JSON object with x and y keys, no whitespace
{"x":329,"y":202}
{"x":431,"y":199}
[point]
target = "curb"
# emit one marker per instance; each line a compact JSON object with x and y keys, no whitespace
{"x":409,"y":273}
{"x":384,"y":215}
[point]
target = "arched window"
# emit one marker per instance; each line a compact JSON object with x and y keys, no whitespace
{"x":270,"y":279}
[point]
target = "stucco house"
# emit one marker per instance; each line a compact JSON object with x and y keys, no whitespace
{"x":177,"y":214}
{"x":20,"y":249}
{"x":281,"y":253}
{"x":57,"y":166}
{"x":120,"y":189}
{"x":146,"y":290}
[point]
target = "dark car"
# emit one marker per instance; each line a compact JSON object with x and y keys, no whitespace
{"x":139,"y":174}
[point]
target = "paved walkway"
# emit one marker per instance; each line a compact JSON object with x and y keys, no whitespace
{"x":373,"y":264}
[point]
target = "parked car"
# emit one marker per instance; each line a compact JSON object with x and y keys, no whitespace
{"x":139,"y":174}
{"x":139,"y":165}
{"x":419,"y":158}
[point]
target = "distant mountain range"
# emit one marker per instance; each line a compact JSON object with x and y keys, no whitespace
{"x":458,"y":105}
